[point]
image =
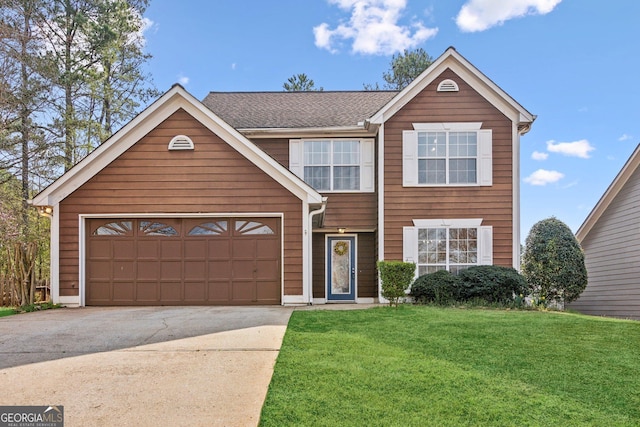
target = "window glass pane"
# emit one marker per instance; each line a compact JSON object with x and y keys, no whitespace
{"x":463,"y":144}
{"x":316,"y":152}
{"x":346,"y":152}
{"x":432,"y":171}
{"x":318,"y":177}
{"x":462,"y":171}
{"x":452,"y":248}
{"x":252,"y":227}
{"x":209,"y":228}
{"x":154,"y":228}
{"x":346,"y":178}
{"x":117,"y":228}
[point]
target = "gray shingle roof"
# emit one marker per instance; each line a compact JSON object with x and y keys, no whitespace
{"x":260,"y":110}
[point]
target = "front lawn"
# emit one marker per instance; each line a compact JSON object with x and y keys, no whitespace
{"x":7,"y":311}
{"x":426,"y":366}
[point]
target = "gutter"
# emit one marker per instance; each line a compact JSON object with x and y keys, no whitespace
{"x":310,"y":228}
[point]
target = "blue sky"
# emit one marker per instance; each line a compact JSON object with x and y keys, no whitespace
{"x":573,"y":63}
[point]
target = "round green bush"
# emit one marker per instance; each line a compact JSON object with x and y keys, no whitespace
{"x":440,"y":287}
{"x":491,"y":283}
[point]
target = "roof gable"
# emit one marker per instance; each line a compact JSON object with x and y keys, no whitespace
{"x":469,"y":73}
{"x":609,"y":195}
{"x":170,"y":102}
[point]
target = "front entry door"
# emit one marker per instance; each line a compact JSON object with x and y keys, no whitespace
{"x":341,"y":269}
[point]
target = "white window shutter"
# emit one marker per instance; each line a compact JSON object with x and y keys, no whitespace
{"x":410,"y":244}
{"x":485,"y":155}
{"x":367,"y":170}
{"x":485,"y":245}
{"x":409,"y":158}
{"x":296,"y":160}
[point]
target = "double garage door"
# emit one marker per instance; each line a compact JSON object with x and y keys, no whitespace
{"x":183,"y":261}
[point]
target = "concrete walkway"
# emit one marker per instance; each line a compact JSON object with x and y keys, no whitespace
{"x":148,"y":366}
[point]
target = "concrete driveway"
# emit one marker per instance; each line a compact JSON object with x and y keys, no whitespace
{"x":148,"y":366}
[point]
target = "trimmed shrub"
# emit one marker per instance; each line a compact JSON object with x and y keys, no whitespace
{"x":491,"y":283}
{"x":440,"y":287}
{"x":553,"y":262}
{"x":395,"y":276}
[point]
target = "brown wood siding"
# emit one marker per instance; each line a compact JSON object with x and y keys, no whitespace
{"x":492,"y":204}
{"x":348,"y":210}
{"x":612,"y":251}
{"x":149,"y":179}
{"x":367,"y":286}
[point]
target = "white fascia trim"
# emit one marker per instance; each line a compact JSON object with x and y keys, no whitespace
{"x":54,"y":256}
{"x":469,"y":73}
{"x":150,"y":118}
{"x":515,"y":162}
{"x":456,"y":222}
{"x":447,"y":126}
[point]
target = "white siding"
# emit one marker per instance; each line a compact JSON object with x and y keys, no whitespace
{"x":612,"y":257}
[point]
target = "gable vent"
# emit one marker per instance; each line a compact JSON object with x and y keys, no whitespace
{"x":448,"y":85}
{"x":181,"y":142}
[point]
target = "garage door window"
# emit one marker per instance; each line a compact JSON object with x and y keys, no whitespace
{"x":116,"y":228}
{"x":252,"y":227}
{"x":217,"y":228}
{"x":154,"y":228}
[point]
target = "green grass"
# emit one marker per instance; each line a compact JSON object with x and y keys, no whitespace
{"x":429,"y":366}
{"x":7,"y":311}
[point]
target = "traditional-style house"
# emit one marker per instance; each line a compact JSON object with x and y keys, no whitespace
{"x":609,"y":238}
{"x":291,"y":197}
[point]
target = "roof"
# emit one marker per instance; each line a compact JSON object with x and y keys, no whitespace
{"x":171,"y":101}
{"x":290,"y":110}
{"x":612,"y":191}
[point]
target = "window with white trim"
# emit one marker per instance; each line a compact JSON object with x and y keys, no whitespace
{"x":452,"y":245}
{"x":333,"y":165}
{"x":455,"y":154}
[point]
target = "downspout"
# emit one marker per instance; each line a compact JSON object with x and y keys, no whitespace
{"x":310,"y":227}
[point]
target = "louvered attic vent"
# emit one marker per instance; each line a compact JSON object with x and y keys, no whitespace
{"x":448,"y":85}
{"x":181,"y":142}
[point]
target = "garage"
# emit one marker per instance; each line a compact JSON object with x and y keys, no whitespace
{"x":183,"y":261}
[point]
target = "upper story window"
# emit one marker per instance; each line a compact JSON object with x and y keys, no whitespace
{"x":436,"y":154}
{"x":333,"y":165}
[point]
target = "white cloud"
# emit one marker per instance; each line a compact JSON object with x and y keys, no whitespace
{"x":625,"y":137}
{"x":479,"y":15}
{"x":580,"y":148}
{"x":183,"y":80}
{"x":536,"y":155}
{"x":373,"y":28}
{"x":233,"y":66}
{"x":543,"y":177}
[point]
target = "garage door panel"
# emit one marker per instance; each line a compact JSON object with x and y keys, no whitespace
{"x":195,"y":269}
{"x":123,"y":249}
{"x":219,"y":292}
{"x":170,"y":249}
{"x":146,"y":291}
{"x":147,"y":249}
{"x":101,"y":249}
{"x":100,"y":270}
{"x":219,"y":270}
{"x":195,"y":249}
{"x":123,"y":270}
{"x":184,"y":261}
{"x":195,"y":291}
{"x":170,"y":291}
{"x":147,"y":270}
{"x":219,"y":248}
{"x":99,"y":291}
{"x":244,"y":248}
{"x":123,"y":291}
